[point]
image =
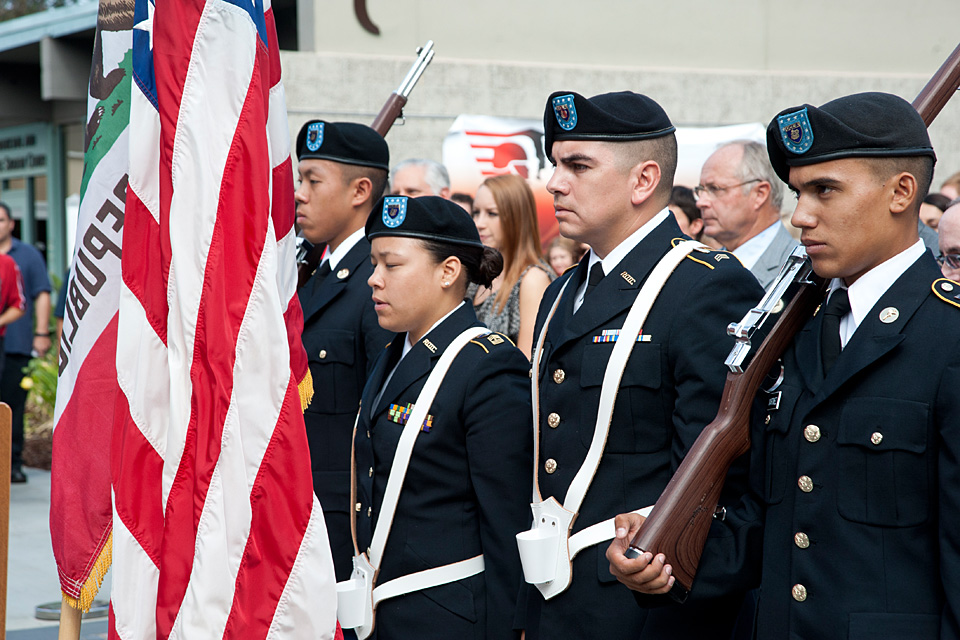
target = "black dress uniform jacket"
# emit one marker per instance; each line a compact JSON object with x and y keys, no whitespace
{"x":861,"y":475}
{"x":670,"y":390}
{"x":467,"y":486}
{"x":343,"y":339}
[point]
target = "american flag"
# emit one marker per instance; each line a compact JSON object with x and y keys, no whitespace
{"x":216,"y":530}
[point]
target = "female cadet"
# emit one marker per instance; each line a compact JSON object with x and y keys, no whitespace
{"x":464,"y":495}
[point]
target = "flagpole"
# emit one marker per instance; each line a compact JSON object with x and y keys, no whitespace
{"x":69,"y":622}
{"x":6,"y":429}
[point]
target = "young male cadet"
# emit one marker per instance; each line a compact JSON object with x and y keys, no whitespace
{"x":343,"y":172}
{"x":615,"y":157}
{"x":857,"y":466}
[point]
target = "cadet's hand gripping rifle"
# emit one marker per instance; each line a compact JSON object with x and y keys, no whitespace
{"x":308,"y":255}
{"x":680,"y":521}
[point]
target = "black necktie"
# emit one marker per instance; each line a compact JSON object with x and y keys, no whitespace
{"x":837,"y":307}
{"x":596,"y":275}
{"x":321,"y":274}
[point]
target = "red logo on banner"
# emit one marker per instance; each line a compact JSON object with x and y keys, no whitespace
{"x":508,"y":152}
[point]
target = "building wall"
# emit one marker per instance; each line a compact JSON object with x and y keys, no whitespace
{"x":339,"y":86}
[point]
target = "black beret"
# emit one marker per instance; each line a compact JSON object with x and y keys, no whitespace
{"x":346,"y":142}
{"x":426,"y":217}
{"x":609,"y":117}
{"x":864,"y":125}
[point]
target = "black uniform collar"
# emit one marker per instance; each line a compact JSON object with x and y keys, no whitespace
{"x":313,"y":301}
{"x":420,"y":360}
{"x":618,"y":289}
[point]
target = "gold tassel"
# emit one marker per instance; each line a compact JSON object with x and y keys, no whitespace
{"x":306,"y":390}
{"x":92,"y":585}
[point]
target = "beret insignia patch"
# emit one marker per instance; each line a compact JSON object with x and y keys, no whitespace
{"x":796,"y":132}
{"x":314,"y":136}
{"x":566,"y":111}
{"x":394,"y":211}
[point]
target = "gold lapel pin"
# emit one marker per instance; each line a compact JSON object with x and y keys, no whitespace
{"x":888,"y":315}
{"x":343,"y":273}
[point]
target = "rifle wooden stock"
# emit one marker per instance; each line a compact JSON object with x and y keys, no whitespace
{"x":680,"y":520}
{"x":392,"y":109}
{"x":941,"y":87}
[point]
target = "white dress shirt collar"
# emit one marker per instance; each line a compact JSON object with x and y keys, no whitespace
{"x":337,"y":255}
{"x":619,"y":252}
{"x":868,"y":289}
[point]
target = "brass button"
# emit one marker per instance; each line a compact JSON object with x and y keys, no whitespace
{"x":323,"y":353}
{"x":370,"y":473}
{"x":802,"y":540}
{"x":553,"y":420}
{"x":805,"y":483}
{"x":559,"y":376}
{"x":359,"y":506}
{"x":369,"y":511}
{"x":368,"y":433}
{"x":799,"y":592}
{"x":876,"y":438}
{"x":811,"y":432}
{"x":530,"y":373}
{"x":550,"y":465}
{"x":767,"y":419}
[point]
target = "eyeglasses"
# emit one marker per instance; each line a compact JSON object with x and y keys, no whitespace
{"x":713,"y":191}
{"x":952,"y":260}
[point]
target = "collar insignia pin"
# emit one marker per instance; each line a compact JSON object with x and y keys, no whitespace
{"x":888,"y":315}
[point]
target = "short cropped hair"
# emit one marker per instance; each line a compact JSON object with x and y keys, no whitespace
{"x":662,"y":150}
{"x":377,"y":177}
{"x":920,"y":167}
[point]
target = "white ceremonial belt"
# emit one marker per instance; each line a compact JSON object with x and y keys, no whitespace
{"x":428,"y":578}
{"x":547,"y":550}
{"x":357,"y":599}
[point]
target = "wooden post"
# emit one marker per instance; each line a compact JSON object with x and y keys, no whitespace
{"x":5,"y":445}
{"x":69,"y":622}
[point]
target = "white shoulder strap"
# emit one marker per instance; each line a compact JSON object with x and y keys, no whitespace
{"x":616,"y":366}
{"x":401,"y":458}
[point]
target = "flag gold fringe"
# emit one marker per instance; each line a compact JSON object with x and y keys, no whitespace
{"x":91,"y":587}
{"x":306,"y":390}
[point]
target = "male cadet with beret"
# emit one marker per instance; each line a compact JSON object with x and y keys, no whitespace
{"x":343,"y":172}
{"x":857,"y":462}
{"x":615,"y":157}
{"x":739,"y":197}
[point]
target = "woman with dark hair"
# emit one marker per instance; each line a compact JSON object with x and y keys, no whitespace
{"x":685,"y":210}
{"x":443,"y":443}
{"x":505,"y":213}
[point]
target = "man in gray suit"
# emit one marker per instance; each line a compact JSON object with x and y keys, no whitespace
{"x":739,"y":196}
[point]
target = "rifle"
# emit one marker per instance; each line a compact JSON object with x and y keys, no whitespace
{"x":308,"y":255}
{"x":680,"y":520}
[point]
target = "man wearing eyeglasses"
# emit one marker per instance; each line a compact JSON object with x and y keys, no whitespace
{"x":739,"y":197}
{"x":949,"y":229}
